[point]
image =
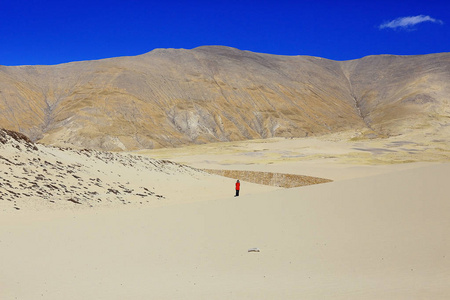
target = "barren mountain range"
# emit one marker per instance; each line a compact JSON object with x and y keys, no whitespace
{"x":174,"y":97}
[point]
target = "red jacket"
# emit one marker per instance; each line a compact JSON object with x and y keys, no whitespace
{"x":238,"y":186}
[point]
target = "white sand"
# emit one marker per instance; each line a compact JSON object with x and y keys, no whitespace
{"x":378,"y":237}
{"x":379,"y":231}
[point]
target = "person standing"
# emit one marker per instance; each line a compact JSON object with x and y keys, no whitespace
{"x":238,"y":187}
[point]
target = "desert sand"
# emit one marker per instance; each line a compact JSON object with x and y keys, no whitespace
{"x":380,"y":230}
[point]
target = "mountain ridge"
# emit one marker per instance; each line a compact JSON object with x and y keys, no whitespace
{"x":174,"y":97}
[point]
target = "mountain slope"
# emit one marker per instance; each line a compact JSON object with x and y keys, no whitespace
{"x":171,"y":97}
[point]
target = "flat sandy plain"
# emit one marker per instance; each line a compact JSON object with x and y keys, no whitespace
{"x":380,"y":230}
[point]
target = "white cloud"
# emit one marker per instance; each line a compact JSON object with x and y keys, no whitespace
{"x":408,"y":22}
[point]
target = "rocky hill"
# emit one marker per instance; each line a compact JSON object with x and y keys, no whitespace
{"x":173,"y":97}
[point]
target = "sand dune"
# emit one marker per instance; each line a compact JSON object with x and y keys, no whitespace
{"x":35,"y":177}
{"x":379,"y":237}
{"x":378,"y":231}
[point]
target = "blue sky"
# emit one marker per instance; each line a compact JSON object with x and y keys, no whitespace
{"x":51,"y":32}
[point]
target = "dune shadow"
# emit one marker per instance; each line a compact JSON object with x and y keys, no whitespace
{"x":270,"y":178}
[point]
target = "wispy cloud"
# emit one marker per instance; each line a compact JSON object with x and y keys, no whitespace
{"x":408,"y":22}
